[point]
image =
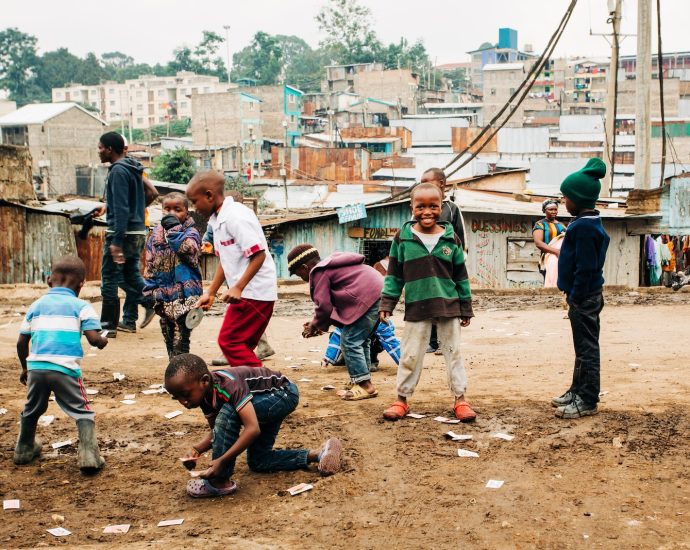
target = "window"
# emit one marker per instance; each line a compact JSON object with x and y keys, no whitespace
{"x":493,"y":91}
{"x":140,"y":121}
{"x":111,"y":91}
{"x":183,"y":104}
{"x":183,"y":91}
{"x":207,"y":89}
{"x":139,"y":94}
{"x":112,"y":103}
{"x":58,"y":95}
{"x":94,"y":104}
{"x":291,"y":99}
{"x":251,"y":105}
{"x":511,"y":91}
{"x":161,"y":119}
{"x":140,"y":107}
{"x":161,"y":93}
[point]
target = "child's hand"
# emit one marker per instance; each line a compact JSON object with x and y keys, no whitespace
{"x":233,"y":295}
{"x":384,"y":315}
{"x":465,"y":321}
{"x":23,"y":376}
{"x":205,"y":301}
{"x":310,"y":331}
{"x":193,"y":456}
{"x":213,"y":471}
{"x":102,"y":342}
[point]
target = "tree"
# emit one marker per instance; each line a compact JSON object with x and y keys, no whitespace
{"x":18,"y":66}
{"x":348,"y":33}
{"x":202,"y":59}
{"x":58,"y":68}
{"x":175,"y":166}
{"x":262,"y":60}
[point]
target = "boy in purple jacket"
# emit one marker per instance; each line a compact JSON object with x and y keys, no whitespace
{"x":346,"y":293}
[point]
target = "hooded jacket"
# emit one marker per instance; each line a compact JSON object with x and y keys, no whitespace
{"x":124,"y":197}
{"x":343,"y":289}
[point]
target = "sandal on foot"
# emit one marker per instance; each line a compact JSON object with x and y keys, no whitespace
{"x":396,"y":411}
{"x":201,"y":488}
{"x":329,"y":459}
{"x":357,"y":393}
{"x":463,"y":412}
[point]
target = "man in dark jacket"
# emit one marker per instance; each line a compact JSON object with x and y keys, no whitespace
{"x":125,"y":236}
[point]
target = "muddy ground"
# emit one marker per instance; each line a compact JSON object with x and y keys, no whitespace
{"x":616,"y":480}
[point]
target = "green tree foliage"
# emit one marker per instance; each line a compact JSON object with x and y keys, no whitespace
{"x":19,"y":64}
{"x":262,"y":60}
{"x":175,"y":166}
{"x":349,"y":37}
{"x":202,"y":59}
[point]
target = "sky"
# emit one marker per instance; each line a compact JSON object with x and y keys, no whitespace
{"x":149,"y":30}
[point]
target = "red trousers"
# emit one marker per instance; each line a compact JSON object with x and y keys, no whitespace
{"x":243,"y":325}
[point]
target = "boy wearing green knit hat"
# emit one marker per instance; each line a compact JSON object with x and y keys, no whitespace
{"x":580,"y":276}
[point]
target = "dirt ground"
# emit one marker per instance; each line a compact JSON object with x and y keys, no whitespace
{"x":616,"y":480}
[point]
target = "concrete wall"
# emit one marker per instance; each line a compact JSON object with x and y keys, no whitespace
{"x":216,"y":119}
{"x":626,"y":97}
{"x":397,"y":85}
{"x":16,"y":182}
{"x":63,"y":143}
{"x":499,"y":85}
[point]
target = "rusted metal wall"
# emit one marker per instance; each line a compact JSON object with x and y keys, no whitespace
{"x":462,"y":137}
{"x":309,"y":163}
{"x":34,"y":240}
{"x":90,"y":250}
{"x":379,"y":131}
{"x":16,"y":181}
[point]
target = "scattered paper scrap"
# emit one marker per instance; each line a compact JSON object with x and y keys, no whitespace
{"x":301,"y":488}
{"x":169,"y":522}
{"x":3,"y":411}
{"x":603,"y":393}
{"x":464,"y":453}
{"x":156,"y":386}
{"x":505,"y":437}
{"x":118,"y":376}
{"x":633,"y":522}
{"x":151,"y":392}
{"x":315,"y":350}
{"x":173,"y":414}
{"x":415,"y":415}
{"x":60,"y":444}
{"x":59,"y":532}
{"x":292,"y":367}
{"x":130,"y":396}
{"x":57,"y":518}
{"x":124,"y":528}
{"x":13,"y":504}
{"x":288,"y":358}
{"x":494,"y":484}
{"x":128,"y":401}
{"x":617,"y":443}
{"x":305,"y":380}
{"x":104,"y":333}
{"x":315,"y":362}
{"x":445,"y":420}
{"x":634,"y":365}
{"x":91,"y":391}
{"x":328,"y":387}
{"x":457,"y":437}
{"x":46,"y":420}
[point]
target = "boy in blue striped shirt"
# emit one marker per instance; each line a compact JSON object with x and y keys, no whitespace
{"x":54,"y":325}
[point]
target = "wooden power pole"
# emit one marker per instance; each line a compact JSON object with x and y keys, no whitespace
{"x":643,"y":85}
{"x":615,"y":13}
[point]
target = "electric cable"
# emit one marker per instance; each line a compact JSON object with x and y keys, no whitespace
{"x":660,"y":70}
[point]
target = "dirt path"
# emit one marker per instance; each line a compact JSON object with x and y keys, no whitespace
{"x":617,"y":480}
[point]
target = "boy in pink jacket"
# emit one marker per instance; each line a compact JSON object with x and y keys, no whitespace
{"x":346,"y":293}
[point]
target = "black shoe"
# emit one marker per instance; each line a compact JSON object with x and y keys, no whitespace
{"x":577,"y":408}
{"x":431,"y":349}
{"x":149,"y":314}
{"x":122,"y":327}
{"x":563,"y":400}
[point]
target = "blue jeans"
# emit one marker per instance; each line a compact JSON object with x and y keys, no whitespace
{"x":126,"y":276}
{"x":585,"y":325}
{"x":271,"y":409}
{"x":356,"y":344}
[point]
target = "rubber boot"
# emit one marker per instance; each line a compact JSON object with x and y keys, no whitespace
{"x":28,"y":447}
{"x":90,"y":459}
{"x":110,"y":316}
{"x":264,"y":349}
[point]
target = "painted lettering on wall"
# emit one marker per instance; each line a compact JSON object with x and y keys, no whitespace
{"x":499,"y":226}
{"x":485,"y":264}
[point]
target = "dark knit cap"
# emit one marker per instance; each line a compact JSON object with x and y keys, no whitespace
{"x":301,"y":254}
{"x":583,"y":187}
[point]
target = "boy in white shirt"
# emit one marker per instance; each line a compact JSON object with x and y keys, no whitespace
{"x":245,"y":265}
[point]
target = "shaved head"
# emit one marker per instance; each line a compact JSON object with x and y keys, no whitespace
{"x":210,"y":180}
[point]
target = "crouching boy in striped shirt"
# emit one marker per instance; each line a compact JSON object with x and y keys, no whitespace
{"x":427,"y":261}
{"x":54,"y":325}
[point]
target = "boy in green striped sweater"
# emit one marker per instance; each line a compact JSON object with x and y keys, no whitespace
{"x":428,"y":262}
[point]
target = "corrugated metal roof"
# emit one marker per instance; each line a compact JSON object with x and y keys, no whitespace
{"x":523,"y":140}
{"x":431,"y":130}
{"x":581,"y":124}
{"x":593,"y":136}
{"x":502,"y":66}
{"x":38,"y":113}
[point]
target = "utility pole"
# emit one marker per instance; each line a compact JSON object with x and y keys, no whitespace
{"x":283,"y":170}
{"x":643,"y":83}
{"x":615,"y":13}
{"x":227,"y":48}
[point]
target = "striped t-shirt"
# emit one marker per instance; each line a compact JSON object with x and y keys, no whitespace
{"x":236,"y":385}
{"x":55,"y":324}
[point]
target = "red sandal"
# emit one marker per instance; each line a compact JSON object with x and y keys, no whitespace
{"x":396,"y":411}
{"x":463,"y":412}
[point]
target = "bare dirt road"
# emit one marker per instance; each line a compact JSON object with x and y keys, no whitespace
{"x":616,"y":480}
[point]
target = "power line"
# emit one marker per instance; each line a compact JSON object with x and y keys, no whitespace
{"x":524,"y":87}
{"x":660,"y":69}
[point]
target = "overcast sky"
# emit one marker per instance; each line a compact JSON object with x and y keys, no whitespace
{"x":149,"y":30}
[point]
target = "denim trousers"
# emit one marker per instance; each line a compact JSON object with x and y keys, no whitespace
{"x":126,"y":276}
{"x":271,"y":409}
{"x":585,"y":325}
{"x":356,"y":344}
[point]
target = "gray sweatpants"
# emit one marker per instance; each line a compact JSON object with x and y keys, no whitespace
{"x":69,"y":394}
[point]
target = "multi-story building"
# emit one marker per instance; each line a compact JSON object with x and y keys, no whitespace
{"x":281,"y":111}
{"x":398,"y":86}
{"x":500,"y":81}
{"x":341,"y":78}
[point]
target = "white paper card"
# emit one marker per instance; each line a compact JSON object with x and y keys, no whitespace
{"x":305,"y":380}
{"x":128,"y":401}
{"x":464,"y":453}
{"x":328,"y":387}
{"x":59,"y":532}
{"x":11,"y":504}
{"x":446,"y":420}
{"x":173,"y":414}
{"x":3,"y":411}
{"x":150,"y":392}
{"x":104,"y":333}
{"x":46,"y":420}
{"x":503,"y":436}
{"x":168,"y":522}
{"x":494,"y":484}
{"x":301,"y":488}
{"x":415,"y":415}
{"x":118,"y":376}
{"x":156,"y":386}
{"x":124,"y":528}
{"x":130,"y":396}
{"x":91,"y":391}
{"x":60,"y":444}
{"x":458,"y":437}
{"x":293,"y":367}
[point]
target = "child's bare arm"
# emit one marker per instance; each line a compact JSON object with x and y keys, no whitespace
{"x":23,"y":353}
{"x":94,"y":338}
{"x":234,"y":294}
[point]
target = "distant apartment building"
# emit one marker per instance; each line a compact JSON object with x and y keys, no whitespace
{"x":148,"y":100}
{"x":500,"y":80}
{"x":281,"y":111}
{"x":341,"y":78}
{"x":397,"y":86}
